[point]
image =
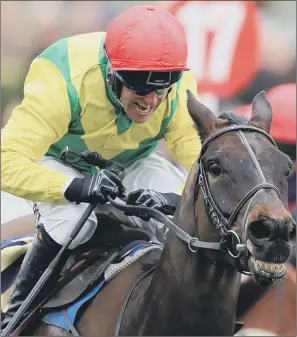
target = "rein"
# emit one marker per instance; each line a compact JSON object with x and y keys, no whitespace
{"x":191,"y":241}
{"x":222,"y":224}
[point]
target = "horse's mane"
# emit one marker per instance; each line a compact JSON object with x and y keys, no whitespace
{"x":232,"y":118}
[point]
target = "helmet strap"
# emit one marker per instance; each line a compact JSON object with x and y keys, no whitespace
{"x":115,"y":85}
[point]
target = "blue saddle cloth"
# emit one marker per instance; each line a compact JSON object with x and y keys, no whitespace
{"x":131,"y":252}
{"x":13,"y":252}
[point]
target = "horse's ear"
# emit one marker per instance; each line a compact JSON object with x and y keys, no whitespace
{"x":203,"y":117}
{"x":262,"y":112}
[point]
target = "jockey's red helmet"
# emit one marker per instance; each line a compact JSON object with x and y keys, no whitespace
{"x":146,"y":38}
{"x":283,"y":102}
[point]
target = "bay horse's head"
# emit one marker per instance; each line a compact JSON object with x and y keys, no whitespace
{"x":242,"y":177}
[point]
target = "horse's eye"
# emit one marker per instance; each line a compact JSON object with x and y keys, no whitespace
{"x":214,"y":169}
{"x":288,"y":170}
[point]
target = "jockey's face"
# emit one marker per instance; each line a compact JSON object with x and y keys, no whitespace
{"x":140,"y":108}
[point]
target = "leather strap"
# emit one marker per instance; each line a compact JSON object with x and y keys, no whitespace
{"x":70,"y":324}
{"x":157,"y":215}
{"x":121,"y":316}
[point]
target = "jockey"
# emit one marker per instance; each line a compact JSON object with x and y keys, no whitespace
{"x":118,"y":93}
{"x":283,"y":128}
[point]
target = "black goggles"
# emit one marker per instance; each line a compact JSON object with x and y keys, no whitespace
{"x":143,"y":83}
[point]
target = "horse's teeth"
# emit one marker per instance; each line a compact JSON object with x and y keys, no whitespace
{"x":249,"y":245}
{"x":270,"y":267}
{"x":261,"y":265}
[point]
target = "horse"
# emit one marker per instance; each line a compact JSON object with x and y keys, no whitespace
{"x":232,"y":219}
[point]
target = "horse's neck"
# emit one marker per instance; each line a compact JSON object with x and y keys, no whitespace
{"x":188,"y":295}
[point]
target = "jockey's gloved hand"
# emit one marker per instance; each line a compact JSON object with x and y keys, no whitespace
{"x":163,"y":202}
{"x":95,"y":188}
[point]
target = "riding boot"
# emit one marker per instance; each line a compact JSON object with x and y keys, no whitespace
{"x":40,"y":254}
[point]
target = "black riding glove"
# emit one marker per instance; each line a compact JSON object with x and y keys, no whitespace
{"x":95,"y":188}
{"x":163,"y":202}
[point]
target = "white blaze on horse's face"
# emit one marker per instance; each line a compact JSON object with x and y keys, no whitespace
{"x":247,"y":177}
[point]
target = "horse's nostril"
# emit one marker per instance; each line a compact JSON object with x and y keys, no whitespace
{"x":292,"y":231}
{"x":259,"y":230}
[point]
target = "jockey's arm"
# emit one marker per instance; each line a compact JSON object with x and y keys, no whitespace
{"x":41,"y":119}
{"x":181,"y":137}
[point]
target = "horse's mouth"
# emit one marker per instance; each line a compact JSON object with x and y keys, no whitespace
{"x":266,"y":273}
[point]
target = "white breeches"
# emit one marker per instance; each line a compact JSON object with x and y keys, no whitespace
{"x":153,"y":172}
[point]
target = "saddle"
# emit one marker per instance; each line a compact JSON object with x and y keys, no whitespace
{"x":87,"y":269}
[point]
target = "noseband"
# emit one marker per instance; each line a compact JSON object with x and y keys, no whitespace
{"x":223,"y":224}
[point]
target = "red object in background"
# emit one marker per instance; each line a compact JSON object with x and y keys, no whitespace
{"x":223,"y":43}
{"x":283,"y":102}
{"x":283,"y":126}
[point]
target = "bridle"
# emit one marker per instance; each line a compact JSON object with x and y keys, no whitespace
{"x":222,"y":224}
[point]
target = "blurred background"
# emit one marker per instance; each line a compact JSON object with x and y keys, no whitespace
{"x":27,"y":27}
{"x":261,"y":56}
{"x":233,"y":55}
